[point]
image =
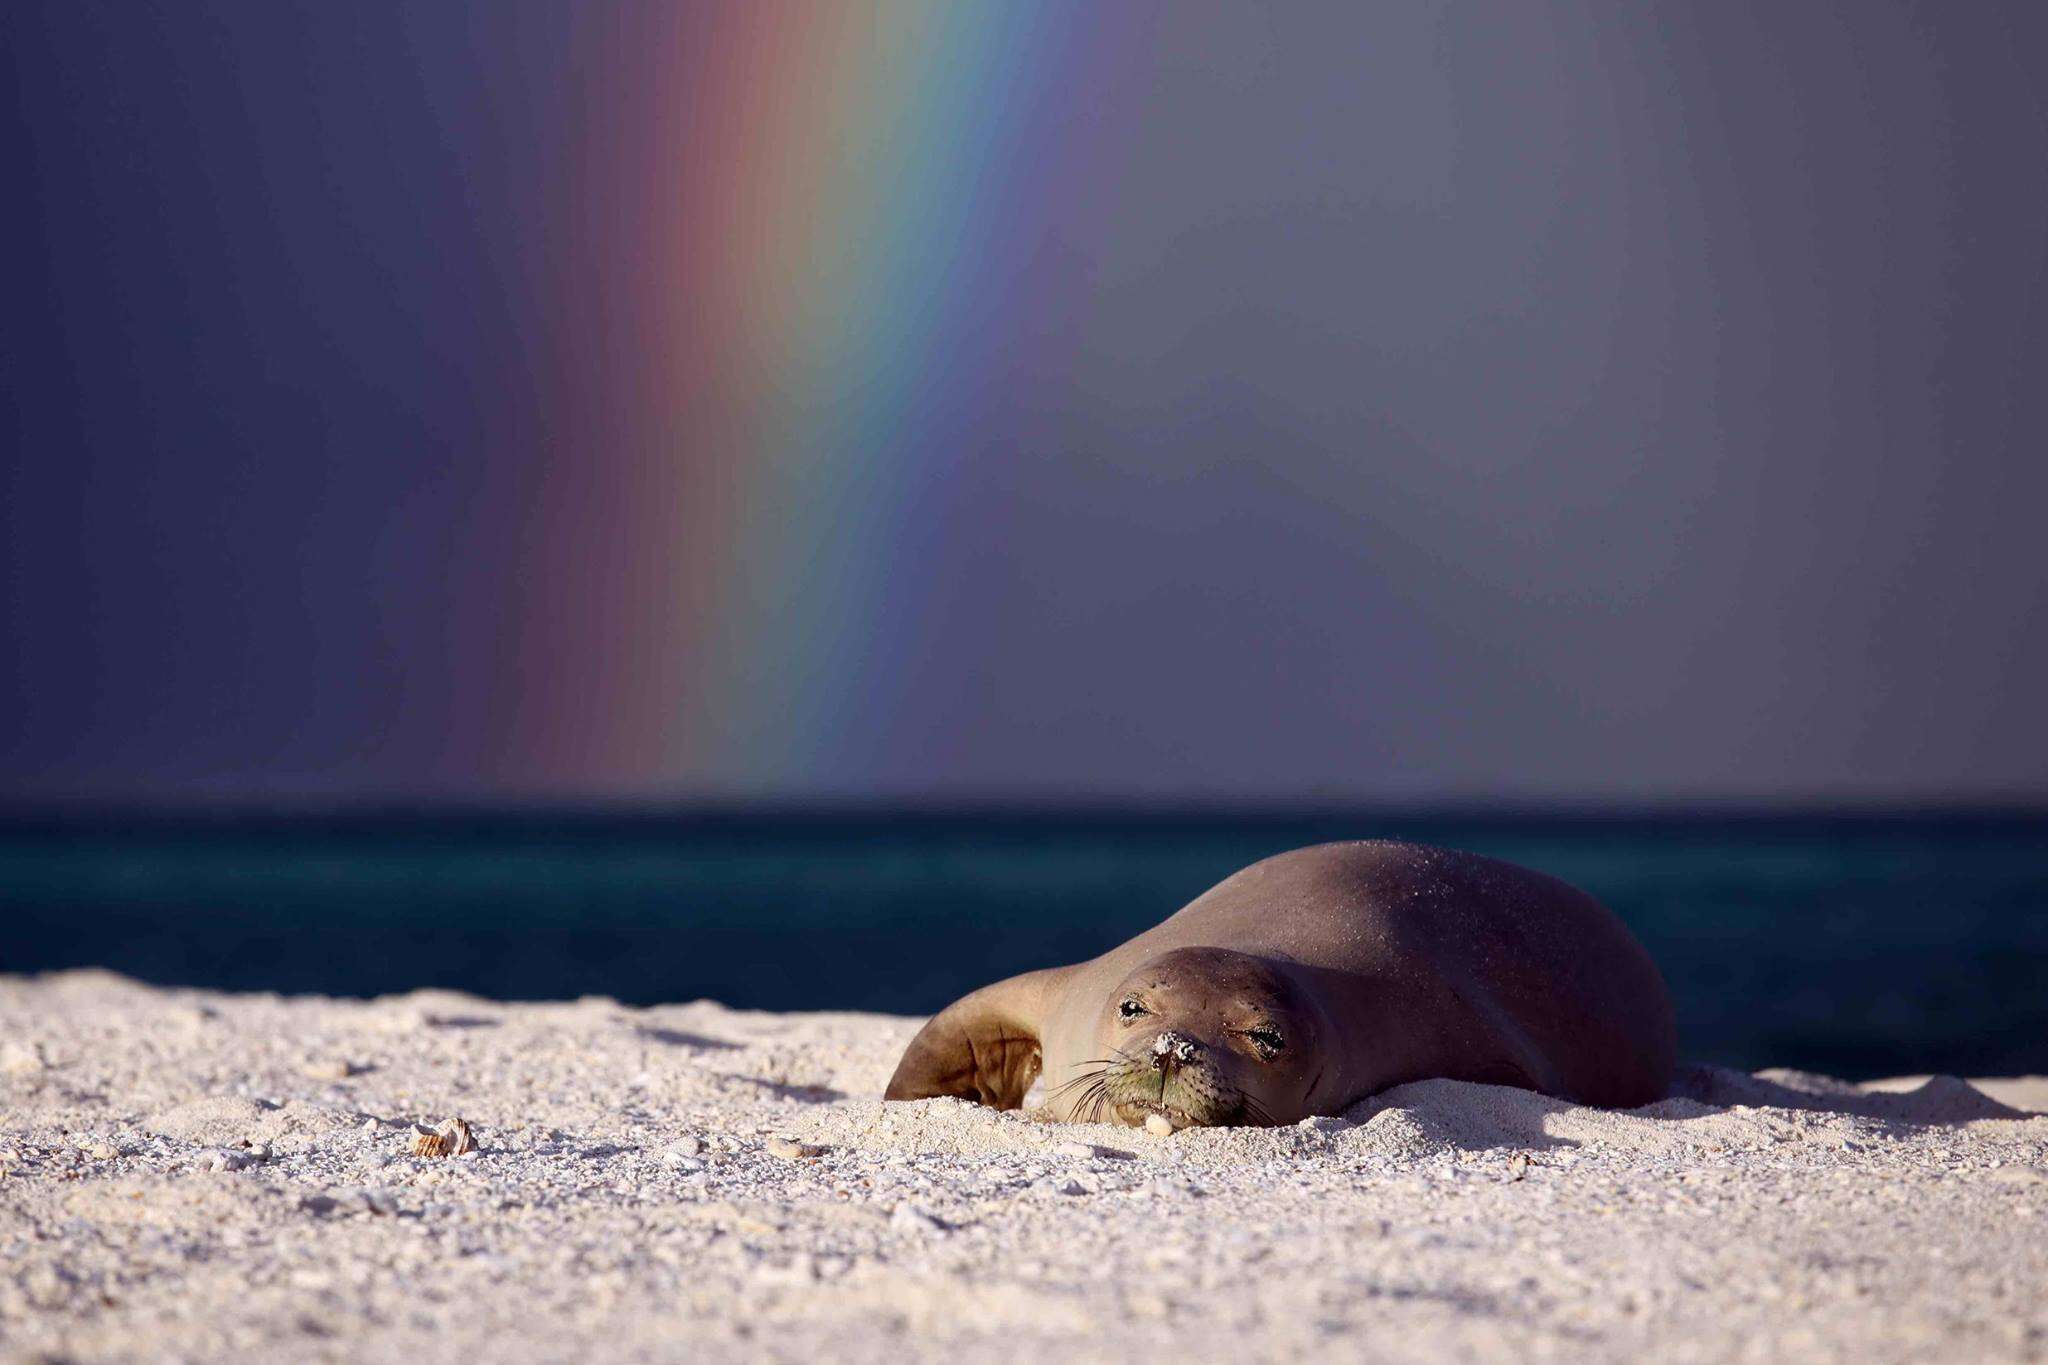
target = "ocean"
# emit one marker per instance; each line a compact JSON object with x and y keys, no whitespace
{"x":1857,"y":945}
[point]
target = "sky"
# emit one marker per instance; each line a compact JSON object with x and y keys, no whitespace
{"x":1522,"y":401}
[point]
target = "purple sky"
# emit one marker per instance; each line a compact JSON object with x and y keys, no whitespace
{"x":1506,"y":402}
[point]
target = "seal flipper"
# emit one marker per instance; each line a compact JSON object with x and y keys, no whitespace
{"x":982,"y":1047}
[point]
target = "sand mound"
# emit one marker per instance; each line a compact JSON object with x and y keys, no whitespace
{"x":1934,"y":1099}
{"x":1458,"y":1115}
{"x":220,"y":1119}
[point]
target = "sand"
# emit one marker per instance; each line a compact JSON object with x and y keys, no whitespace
{"x":218,"y":1178}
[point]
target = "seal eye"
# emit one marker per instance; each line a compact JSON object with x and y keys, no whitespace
{"x":1267,"y":1039}
{"x":1131,"y":1009}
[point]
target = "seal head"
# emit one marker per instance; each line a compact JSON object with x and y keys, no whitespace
{"x":1201,"y":1036}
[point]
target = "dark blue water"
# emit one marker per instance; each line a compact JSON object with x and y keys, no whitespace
{"x":1859,"y":946}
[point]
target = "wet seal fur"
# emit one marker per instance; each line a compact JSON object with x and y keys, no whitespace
{"x":1311,"y":980}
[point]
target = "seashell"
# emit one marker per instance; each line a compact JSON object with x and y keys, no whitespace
{"x":452,"y":1138}
{"x":789,"y":1149}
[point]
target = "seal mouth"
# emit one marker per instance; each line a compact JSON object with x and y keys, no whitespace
{"x":1128,"y":1087}
{"x":1133,"y":1113}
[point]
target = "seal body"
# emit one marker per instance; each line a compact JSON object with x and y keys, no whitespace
{"x":1311,"y":980}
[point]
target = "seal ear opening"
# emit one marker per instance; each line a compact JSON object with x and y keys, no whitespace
{"x":982,"y":1047}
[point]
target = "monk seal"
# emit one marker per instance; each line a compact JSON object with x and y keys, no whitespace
{"x":1314,"y":979}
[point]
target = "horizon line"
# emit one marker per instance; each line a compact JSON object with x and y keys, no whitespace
{"x":17,"y":812}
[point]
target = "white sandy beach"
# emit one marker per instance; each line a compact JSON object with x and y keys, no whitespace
{"x":206,"y":1177}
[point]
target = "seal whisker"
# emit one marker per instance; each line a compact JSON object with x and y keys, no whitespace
{"x":1084,"y":1077}
{"x":1077,"y":1093}
{"x":1101,"y":1098}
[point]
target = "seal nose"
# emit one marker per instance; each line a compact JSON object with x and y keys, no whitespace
{"x":1173,"y":1047}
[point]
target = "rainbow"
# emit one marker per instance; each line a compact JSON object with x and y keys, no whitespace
{"x":807,"y":256}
